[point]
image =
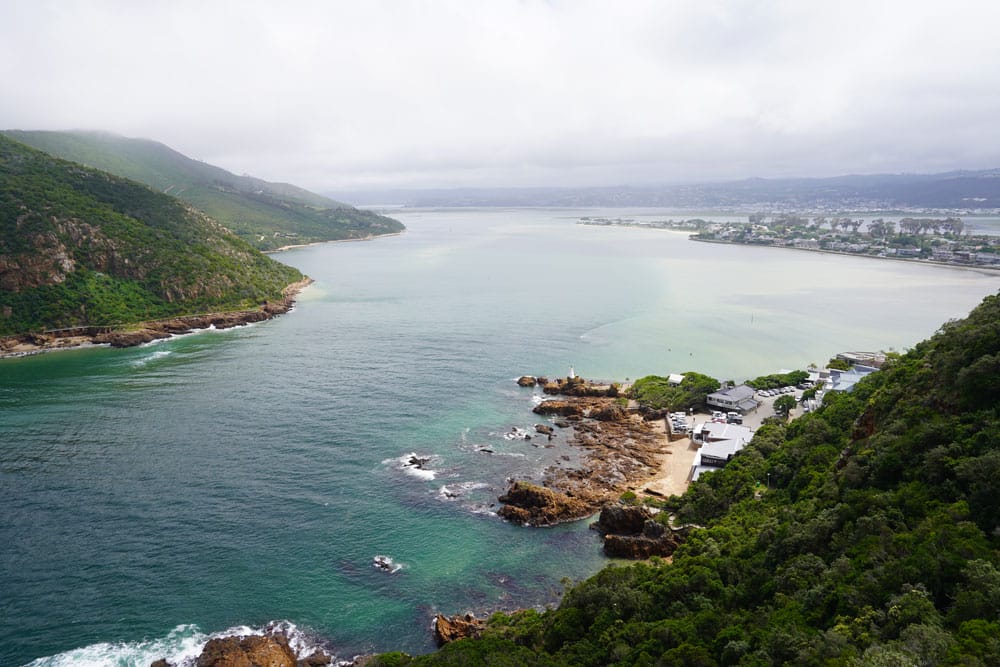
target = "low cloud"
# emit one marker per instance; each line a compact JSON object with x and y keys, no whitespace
{"x":413,"y":94}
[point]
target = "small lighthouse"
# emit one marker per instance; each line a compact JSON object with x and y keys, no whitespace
{"x":572,"y":373}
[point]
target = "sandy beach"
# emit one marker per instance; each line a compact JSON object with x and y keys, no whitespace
{"x":675,"y":466}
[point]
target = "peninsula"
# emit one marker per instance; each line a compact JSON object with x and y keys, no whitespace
{"x":928,"y":240}
{"x":88,"y":256}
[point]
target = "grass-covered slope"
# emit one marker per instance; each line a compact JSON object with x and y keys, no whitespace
{"x":267,"y":215}
{"x":80,"y":247}
{"x":876,"y":543}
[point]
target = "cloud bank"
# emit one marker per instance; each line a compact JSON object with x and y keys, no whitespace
{"x":349,"y":95}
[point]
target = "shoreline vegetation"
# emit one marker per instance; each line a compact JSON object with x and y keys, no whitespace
{"x":929,"y":241}
{"x":370,"y":237}
{"x":137,"y":333}
{"x":131,"y":335}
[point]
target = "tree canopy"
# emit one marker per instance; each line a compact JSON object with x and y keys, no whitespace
{"x":865,"y":533}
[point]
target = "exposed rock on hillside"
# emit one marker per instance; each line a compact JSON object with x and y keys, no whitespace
{"x":450,"y":628}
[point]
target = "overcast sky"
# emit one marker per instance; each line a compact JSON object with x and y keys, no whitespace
{"x":366,"y":94}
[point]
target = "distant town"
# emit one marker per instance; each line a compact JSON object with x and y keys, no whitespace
{"x":936,"y":240}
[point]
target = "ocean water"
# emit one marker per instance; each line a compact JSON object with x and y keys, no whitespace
{"x":157,"y":495}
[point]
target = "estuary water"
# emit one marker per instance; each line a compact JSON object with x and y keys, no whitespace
{"x":156,"y":495}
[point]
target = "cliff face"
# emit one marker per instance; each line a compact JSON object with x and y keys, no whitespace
{"x":79,"y":247}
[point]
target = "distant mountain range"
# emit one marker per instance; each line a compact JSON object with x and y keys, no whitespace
{"x":266,"y":215}
{"x":961,"y":190}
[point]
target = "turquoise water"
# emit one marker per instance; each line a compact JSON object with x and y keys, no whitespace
{"x":158,"y":494}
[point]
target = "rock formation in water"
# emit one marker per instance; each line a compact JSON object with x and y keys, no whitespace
{"x":526,"y":503}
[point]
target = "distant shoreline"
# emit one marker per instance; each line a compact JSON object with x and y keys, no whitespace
{"x":915,"y":260}
{"x":370,"y":237}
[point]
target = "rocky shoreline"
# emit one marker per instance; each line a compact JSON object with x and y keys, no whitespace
{"x":145,"y":332}
{"x":621,"y":450}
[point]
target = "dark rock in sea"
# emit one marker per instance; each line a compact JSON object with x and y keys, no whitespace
{"x":526,"y":503}
{"x":417,"y":461}
{"x":249,"y":651}
{"x":562,"y":423}
{"x":485,"y":450}
{"x":543,"y":429}
{"x":526,"y":381}
{"x":448,"y":629}
{"x":162,"y":662}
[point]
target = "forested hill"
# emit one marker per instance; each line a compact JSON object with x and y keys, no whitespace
{"x":267,"y":215}
{"x":876,"y":542}
{"x":80,"y":247}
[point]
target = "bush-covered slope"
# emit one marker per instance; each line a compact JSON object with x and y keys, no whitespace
{"x":864,"y":534}
{"x":82,"y":247}
{"x":267,"y":215}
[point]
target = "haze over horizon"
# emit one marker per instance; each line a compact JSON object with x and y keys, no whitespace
{"x":383,"y":95}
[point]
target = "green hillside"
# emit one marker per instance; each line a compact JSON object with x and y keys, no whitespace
{"x":267,"y":215}
{"x":80,"y":247}
{"x":867,"y":533}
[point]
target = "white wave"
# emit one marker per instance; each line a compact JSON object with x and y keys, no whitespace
{"x":159,"y":354}
{"x":181,"y":647}
{"x":386,"y":564}
{"x":414,"y":464}
{"x":456,"y":491}
{"x":517,"y":433}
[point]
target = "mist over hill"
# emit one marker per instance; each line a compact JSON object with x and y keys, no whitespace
{"x":963,"y":190}
{"x":266,"y":215}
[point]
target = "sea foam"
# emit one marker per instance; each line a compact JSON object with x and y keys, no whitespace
{"x":181,"y":647}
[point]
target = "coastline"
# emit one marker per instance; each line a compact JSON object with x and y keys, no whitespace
{"x":30,"y":344}
{"x":988,"y":270}
{"x":370,"y":237}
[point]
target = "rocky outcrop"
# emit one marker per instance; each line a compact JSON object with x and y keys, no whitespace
{"x":623,"y":519}
{"x":561,"y":408}
{"x":529,"y":504}
{"x":317,"y":659}
{"x":632,"y":532}
{"x":544,"y":429}
{"x":248,"y":651}
{"x":527,"y":381}
{"x":611,"y":412}
{"x":448,"y":629}
{"x":577,"y":386}
{"x":654,"y":540}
